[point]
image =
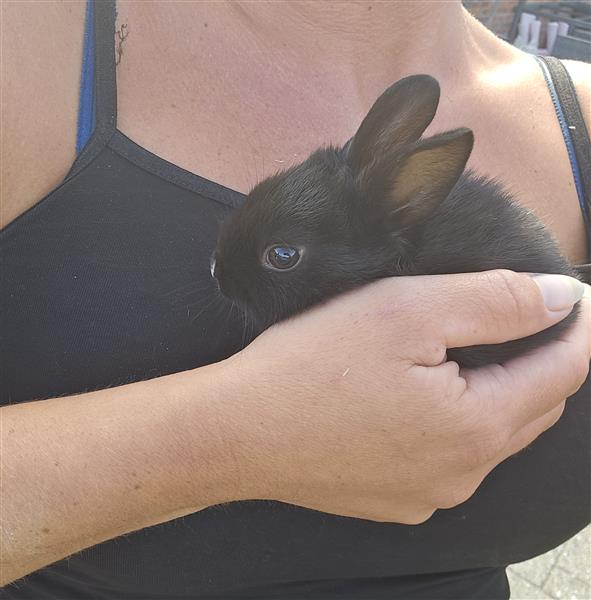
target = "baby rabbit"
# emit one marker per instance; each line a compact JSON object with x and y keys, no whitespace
{"x":387,"y":203}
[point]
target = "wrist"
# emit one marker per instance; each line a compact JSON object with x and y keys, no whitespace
{"x":220,"y":438}
{"x":246,"y":428}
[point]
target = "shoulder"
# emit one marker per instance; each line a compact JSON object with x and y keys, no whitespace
{"x":580,"y":74}
{"x":41,"y":62}
{"x":522,"y":145}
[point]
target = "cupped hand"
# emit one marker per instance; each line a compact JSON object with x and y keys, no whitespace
{"x":351,"y":408}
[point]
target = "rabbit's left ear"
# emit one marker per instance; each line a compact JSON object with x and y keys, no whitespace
{"x":398,"y":118}
{"x":427,"y":175}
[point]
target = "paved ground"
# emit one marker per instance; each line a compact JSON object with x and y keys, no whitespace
{"x":564,"y":572}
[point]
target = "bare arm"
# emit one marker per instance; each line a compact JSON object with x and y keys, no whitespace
{"x":79,"y":470}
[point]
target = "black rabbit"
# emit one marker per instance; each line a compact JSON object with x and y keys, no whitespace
{"x":387,"y":203}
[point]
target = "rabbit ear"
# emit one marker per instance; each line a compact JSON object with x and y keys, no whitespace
{"x":427,"y":175}
{"x":398,"y":117}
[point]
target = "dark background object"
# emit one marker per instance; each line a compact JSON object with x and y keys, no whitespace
{"x":577,"y":43}
{"x":502,"y":17}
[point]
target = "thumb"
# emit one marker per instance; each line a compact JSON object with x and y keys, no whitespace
{"x":526,"y":393}
{"x":496,"y":306}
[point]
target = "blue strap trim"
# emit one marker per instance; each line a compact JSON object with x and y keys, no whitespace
{"x":574,"y":163}
{"x":86,"y":107}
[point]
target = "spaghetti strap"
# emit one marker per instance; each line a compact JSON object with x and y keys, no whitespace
{"x":104,"y":92}
{"x":574,"y":131}
{"x":106,"y":82}
{"x":86,"y":116}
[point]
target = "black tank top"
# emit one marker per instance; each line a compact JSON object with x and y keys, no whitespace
{"x":106,"y":281}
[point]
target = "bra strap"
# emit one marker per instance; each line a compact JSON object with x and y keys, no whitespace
{"x":574,"y":131}
{"x":105,"y":81}
{"x":86,"y":116}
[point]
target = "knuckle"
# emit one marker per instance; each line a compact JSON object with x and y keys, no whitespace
{"x":477,"y":437}
{"x":417,"y":517}
{"x":457,"y":495}
{"x":557,"y":413}
{"x":510,"y":287}
{"x":484,"y":445}
{"x":580,"y":371}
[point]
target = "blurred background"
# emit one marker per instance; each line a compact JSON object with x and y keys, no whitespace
{"x":561,"y":29}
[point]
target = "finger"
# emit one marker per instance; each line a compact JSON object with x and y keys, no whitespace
{"x":528,"y":434}
{"x":523,"y":438}
{"x":490,"y":307}
{"x":527,"y":388}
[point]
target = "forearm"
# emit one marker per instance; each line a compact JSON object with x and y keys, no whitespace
{"x":79,"y":470}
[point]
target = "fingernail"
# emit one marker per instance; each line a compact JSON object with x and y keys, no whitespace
{"x":560,"y":292}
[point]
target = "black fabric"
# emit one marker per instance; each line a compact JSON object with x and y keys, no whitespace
{"x":574,"y":119}
{"x":105,"y":84}
{"x":574,"y":123}
{"x":106,"y":281}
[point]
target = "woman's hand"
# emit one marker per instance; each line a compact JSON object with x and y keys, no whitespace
{"x":347,"y":409}
{"x":351,"y":408}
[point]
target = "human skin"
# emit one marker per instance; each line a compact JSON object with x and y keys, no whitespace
{"x":50,"y":488}
{"x":317,"y":69}
{"x":384,"y":431}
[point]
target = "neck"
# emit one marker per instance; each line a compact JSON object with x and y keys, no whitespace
{"x":344,"y":50}
{"x":293,"y":75}
{"x":439,"y":38}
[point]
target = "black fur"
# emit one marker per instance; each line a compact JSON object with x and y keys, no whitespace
{"x":388,"y":203}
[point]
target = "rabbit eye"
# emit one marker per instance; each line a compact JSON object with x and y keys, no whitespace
{"x":282,"y":257}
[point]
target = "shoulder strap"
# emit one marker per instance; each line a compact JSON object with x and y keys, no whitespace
{"x":105,"y":82}
{"x":86,"y":116}
{"x":575,"y":134}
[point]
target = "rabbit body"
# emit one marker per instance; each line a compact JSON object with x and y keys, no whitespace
{"x":388,"y":203}
{"x":478,"y":228}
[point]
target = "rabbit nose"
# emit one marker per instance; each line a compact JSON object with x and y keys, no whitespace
{"x":224,"y":281}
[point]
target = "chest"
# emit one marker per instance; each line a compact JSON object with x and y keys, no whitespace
{"x":237,"y":124}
